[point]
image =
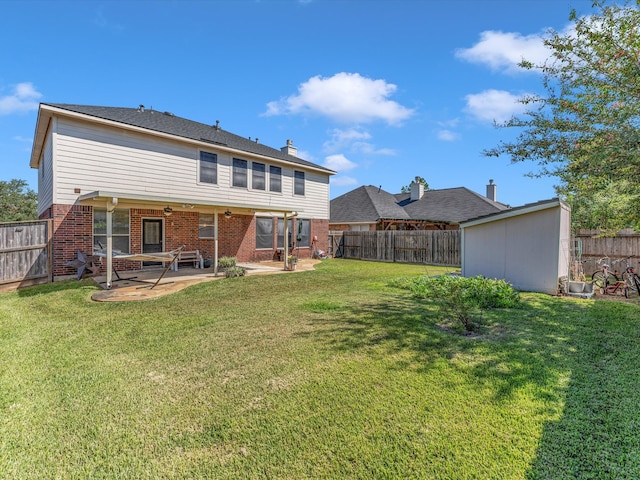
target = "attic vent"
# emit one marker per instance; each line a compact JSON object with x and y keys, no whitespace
{"x":217,"y":125}
{"x":141,"y":108}
{"x":169,"y":114}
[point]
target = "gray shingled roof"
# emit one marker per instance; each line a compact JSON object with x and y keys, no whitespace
{"x":365,"y":204}
{"x":451,"y":205}
{"x":370,"y":204}
{"x":166,"y":122}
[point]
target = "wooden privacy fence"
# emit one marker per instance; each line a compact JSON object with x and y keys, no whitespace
{"x":25,"y":254}
{"x":430,"y":247}
{"x":589,"y":247}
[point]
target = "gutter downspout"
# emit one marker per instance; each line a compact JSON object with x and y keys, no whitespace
{"x":286,"y":242}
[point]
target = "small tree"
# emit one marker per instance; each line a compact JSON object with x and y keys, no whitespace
{"x":460,"y":298}
{"x":17,"y":202}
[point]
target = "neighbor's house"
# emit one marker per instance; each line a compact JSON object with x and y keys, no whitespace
{"x":371,"y":208}
{"x":161,"y":181}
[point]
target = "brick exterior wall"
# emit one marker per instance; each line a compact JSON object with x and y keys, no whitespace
{"x":73,"y":231}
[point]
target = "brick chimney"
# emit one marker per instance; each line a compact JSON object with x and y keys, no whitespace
{"x":290,"y":149}
{"x":491,"y":191}
{"x":417,"y":189}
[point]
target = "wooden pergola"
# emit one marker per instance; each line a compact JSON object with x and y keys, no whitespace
{"x":412,"y":224}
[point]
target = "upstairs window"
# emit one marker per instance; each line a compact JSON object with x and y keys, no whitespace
{"x":208,"y":167}
{"x":239,"y":173}
{"x":298,"y":183}
{"x":258,"y":176}
{"x":275,"y":179}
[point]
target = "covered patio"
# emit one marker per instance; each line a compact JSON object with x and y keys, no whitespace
{"x":110,"y":200}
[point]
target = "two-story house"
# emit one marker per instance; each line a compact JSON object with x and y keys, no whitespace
{"x":145,"y":181}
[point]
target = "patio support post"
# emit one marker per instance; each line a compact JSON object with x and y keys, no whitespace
{"x":111,"y":206}
{"x":286,"y":242}
{"x":215,"y":242}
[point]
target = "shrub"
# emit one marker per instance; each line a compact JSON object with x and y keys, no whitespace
{"x":235,"y":272}
{"x":462,"y":297}
{"x":224,"y":263}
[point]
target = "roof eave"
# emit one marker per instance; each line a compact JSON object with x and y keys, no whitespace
{"x":515,"y":211}
{"x":159,"y":200}
{"x":50,"y":110}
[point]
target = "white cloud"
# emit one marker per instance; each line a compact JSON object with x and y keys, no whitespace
{"x":341,"y":139}
{"x":345,"y":98}
{"x":448,"y":135}
{"x":307,"y":155}
{"x":353,"y":140}
{"x":369,"y":149}
{"x":502,"y":51}
{"x":339,"y":163}
{"x":491,"y":105}
{"x":24,"y":98}
{"x":451,"y":123}
{"x":19,"y":138}
{"x":343,"y":181}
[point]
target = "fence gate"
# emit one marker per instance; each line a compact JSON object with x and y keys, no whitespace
{"x":335,"y":244}
{"x":25,"y":254}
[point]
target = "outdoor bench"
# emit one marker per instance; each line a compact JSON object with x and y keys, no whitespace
{"x":189,"y":256}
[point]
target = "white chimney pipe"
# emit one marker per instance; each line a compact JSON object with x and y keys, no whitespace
{"x":417,"y":190}
{"x":491,"y":191}
{"x":289,"y":149}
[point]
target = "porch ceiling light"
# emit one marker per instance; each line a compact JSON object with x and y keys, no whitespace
{"x":168,"y":211}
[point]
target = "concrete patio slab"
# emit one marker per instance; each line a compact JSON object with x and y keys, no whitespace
{"x":136,"y":285}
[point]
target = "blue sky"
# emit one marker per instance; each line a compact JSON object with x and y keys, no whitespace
{"x":380,"y":91}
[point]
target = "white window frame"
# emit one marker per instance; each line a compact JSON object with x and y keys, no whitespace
{"x":202,"y":163}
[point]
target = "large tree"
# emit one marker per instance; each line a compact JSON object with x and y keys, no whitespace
{"x":585,"y":129}
{"x":17,"y":201}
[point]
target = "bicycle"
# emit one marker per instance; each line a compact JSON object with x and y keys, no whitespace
{"x":604,"y":277}
{"x":631,"y":278}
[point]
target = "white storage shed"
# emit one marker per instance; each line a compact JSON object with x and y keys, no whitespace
{"x":527,"y":246}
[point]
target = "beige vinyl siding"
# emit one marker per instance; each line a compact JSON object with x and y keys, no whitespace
{"x":45,"y":182}
{"x":92,"y":157}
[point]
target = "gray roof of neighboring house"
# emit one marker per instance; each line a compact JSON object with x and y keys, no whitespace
{"x":369,"y":204}
{"x":166,"y":122}
{"x":365,"y":204}
{"x":449,"y":204}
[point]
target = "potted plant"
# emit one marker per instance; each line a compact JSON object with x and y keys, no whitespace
{"x":292,"y":261}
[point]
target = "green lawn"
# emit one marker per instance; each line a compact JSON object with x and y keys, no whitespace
{"x":322,"y":375}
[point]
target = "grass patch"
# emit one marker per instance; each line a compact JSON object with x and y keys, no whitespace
{"x":332,"y":373}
